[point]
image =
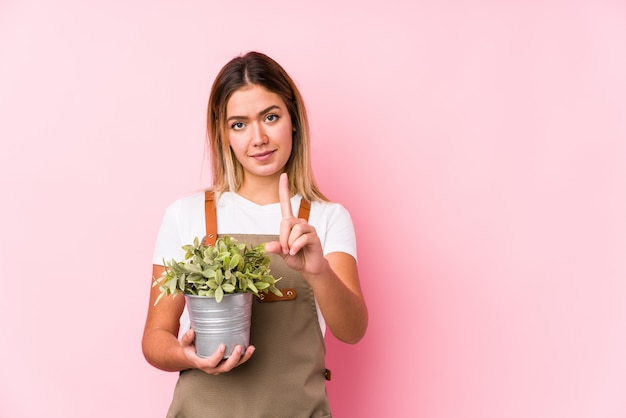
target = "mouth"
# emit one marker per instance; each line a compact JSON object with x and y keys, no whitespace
{"x":262,"y":155}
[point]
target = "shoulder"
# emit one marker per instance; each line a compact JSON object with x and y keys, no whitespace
{"x":330,"y":214}
{"x":329,"y":208}
{"x":189,"y":199}
{"x":334,"y":226}
{"x":187,"y":204}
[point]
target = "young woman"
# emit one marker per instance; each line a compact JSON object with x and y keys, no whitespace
{"x":259,"y":140}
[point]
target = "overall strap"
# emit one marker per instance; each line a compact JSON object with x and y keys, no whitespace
{"x":305,"y":209}
{"x":210,"y":218}
{"x":210,"y":215}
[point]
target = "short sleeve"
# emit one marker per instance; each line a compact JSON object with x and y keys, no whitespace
{"x":338,"y":230}
{"x":168,"y":243}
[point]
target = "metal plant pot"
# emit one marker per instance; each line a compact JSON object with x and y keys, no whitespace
{"x":215,"y":323}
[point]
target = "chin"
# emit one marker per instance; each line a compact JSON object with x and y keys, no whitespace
{"x":265,"y":172}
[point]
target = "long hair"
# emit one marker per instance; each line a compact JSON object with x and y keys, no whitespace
{"x":258,"y":69}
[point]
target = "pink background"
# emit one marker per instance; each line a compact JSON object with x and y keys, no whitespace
{"x":480,"y":146}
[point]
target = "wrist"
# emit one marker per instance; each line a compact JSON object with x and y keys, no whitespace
{"x":321,"y":274}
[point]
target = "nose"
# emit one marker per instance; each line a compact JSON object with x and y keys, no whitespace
{"x":259,"y":137}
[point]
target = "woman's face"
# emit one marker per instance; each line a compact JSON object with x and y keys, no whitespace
{"x":259,"y":131}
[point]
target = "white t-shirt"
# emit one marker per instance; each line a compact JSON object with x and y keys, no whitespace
{"x":184,"y":220}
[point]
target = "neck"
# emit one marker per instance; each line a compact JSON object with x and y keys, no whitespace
{"x":260,"y":190}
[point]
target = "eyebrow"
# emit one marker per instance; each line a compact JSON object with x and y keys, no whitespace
{"x":261,"y":113}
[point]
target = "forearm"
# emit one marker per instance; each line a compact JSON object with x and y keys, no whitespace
{"x":160,"y":346}
{"x":339,"y":298}
{"x":163,"y":350}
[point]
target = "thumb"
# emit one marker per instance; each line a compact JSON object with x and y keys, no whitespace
{"x":187,"y":338}
{"x":274,"y":247}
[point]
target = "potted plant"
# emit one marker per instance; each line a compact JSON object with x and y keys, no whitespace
{"x":218,"y":282}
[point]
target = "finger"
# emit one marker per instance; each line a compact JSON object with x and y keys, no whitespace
{"x":214,"y":359}
{"x":246,"y":355}
{"x":285,"y":198}
{"x":298,"y":240}
{"x":292,"y":230}
{"x":232,"y":361}
{"x":273,"y":247}
{"x":208,"y":364}
{"x":284,"y":236}
{"x":217,"y":357}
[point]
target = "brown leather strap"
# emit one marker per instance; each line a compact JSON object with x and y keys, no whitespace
{"x":210,"y":218}
{"x":288,"y":294}
{"x":305,"y":209}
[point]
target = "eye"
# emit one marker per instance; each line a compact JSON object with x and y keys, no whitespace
{"x":237,"y":126}
{"x":271,"y":118}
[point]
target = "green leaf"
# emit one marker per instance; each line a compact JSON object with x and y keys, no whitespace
{"x":252,"y":286}
{"x":158,"y":298}
{"x":234,"y":261}
{"x":219,"y":294}
{"x":171,"y":285}
{"x":195,"y":278}
{"x":262,"y":285}
{"x":228,"y":288}
{"x":209,"y":273}
{"x":193,"y":268}
{"x":276,"y":291}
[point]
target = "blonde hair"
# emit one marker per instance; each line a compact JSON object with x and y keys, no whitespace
{"x":258,"y":69}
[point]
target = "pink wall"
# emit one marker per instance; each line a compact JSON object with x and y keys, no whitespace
{"x":480,"y":147}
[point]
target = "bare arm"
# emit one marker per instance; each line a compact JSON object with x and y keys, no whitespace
{"x":339,"y":296}
{"x":334,"y":278}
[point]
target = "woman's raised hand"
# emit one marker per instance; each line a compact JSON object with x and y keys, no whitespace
{"x":334,"y":279}
{"x":298,"y":242}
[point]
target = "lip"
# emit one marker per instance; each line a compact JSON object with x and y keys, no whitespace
{"x":262,"y":156}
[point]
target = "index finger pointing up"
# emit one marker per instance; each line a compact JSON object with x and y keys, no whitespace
{"x":285,"y":198}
